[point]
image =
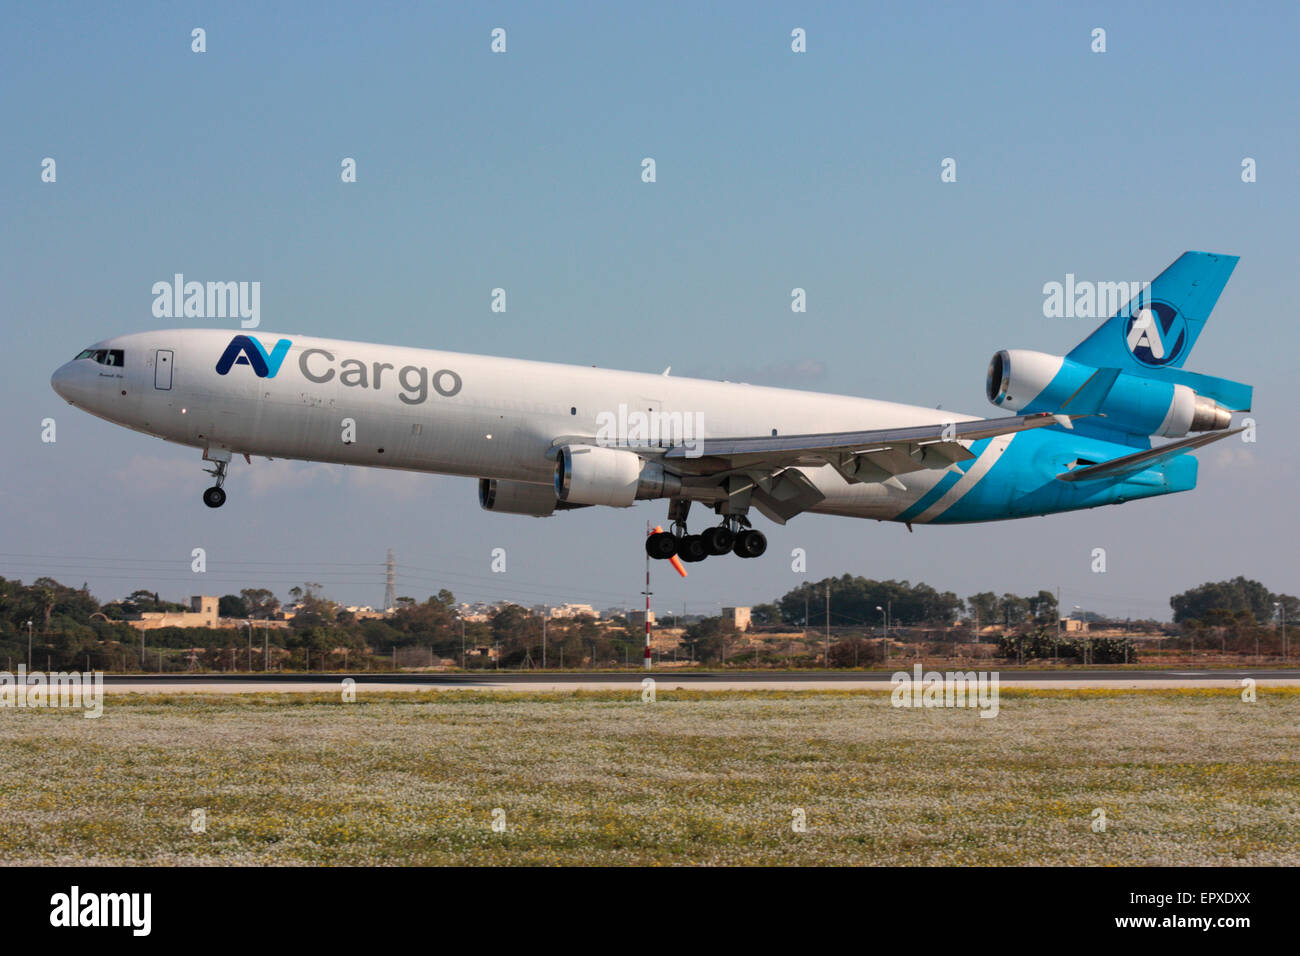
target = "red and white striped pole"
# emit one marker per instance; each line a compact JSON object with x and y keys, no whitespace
{"x":647,"y":601}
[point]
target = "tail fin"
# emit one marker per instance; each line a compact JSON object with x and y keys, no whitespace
{"x":1159,"y":326}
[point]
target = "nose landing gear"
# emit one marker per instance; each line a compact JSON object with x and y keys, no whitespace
{"x":215,"y":496}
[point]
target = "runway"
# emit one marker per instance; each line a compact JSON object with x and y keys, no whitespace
{"x":522,"y":681}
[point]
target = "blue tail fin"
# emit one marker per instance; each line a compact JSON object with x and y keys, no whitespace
{"x":1159,"y":326}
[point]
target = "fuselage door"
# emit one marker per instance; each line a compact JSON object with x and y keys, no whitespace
{"x":162,"y":369}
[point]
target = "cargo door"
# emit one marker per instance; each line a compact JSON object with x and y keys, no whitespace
{"x":162,"y":370}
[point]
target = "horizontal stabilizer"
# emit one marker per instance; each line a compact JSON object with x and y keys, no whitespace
{"x":1142,"y":460}
{"x":1234,"y":395}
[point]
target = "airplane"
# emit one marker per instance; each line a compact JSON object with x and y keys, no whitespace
{"x":543,"y":437}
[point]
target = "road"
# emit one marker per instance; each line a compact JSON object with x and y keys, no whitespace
{"x":669,"y":679}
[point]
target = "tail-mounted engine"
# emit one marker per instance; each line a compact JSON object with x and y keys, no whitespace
{"x":1026,"y":381}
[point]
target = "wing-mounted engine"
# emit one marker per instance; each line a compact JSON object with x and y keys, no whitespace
{"x":1166,"y":402}
{"x":519,"y":498}
{"x":617,"y":477}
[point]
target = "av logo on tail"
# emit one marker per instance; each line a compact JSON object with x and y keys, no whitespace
{"x":1156,"y":334}
{"x":246,"y":350}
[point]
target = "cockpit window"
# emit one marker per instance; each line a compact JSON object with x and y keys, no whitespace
{"x":112,"y":357}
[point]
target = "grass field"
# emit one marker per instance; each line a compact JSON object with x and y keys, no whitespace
{"x":1184,"y":777}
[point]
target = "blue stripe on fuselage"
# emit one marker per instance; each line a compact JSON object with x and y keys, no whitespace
{"x":942,"y":485}
{"x":1023,"y":481}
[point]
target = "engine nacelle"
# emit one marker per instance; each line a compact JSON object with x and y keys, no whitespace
{"x":595,"y":475}
{"x":516,"y":497}
{"x":1034,"y":381}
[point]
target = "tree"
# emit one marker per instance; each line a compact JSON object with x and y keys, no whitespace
{"x":704,"y":638}
{"x":1043,"y":608}
{"x":1015,"y":610}
{"x":232,"y":605}
{"x":854,"y":601}
{"x":984,"y":608}
{"x":1290,"y":606}
{"x":431,"y":623}
{"x":260,"y":603}
{"x":314,"y":611}
{"x":1239,"y":594}
{"x":515,"y":629}
{"x":141,"y":601}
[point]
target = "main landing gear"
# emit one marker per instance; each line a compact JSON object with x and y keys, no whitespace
{"x":734,"y":535}
{"x":215,"y":497}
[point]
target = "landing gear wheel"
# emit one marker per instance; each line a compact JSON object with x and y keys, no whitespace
{"x":718,"y":540}
{"x":750,"y":544}
{"x":691,"y":548}
{"x":214,"y":497}
{"x":661,"y":545}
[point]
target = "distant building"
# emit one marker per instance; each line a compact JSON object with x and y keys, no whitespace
{"x":562,"y":611}
{"x":474,"y":613}
{"x":202,"y":613}
{"x":1072,"y":625}
{"x":736,"y":617}
{"x":638,"y":618}
{"x":366,"y":613}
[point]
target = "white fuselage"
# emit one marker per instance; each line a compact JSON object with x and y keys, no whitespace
{"x":445,"y":412}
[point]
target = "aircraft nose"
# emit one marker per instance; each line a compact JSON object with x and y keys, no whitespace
{"x":59,"y":380}
{"x":63,"y":381}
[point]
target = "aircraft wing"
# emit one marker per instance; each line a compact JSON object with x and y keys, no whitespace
{"x":761,"y":468}
{"x":892,"y":451}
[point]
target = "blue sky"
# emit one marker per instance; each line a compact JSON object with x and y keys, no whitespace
{"x":522,"y":170}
